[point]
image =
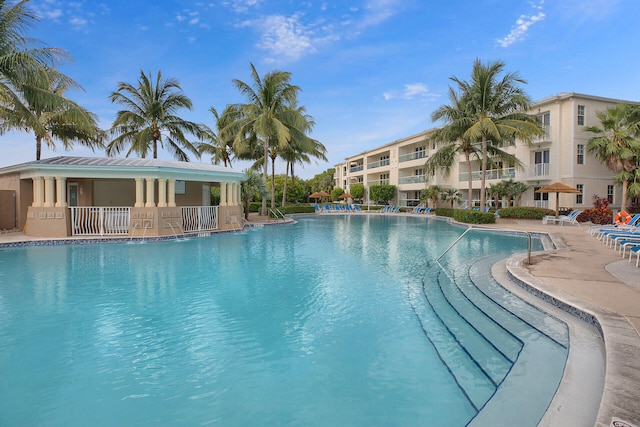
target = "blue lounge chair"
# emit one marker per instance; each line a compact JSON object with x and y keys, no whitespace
{"x":357,"y":208}
{"x":426,"y":210}
{"x":597,"y":230}
{"x":635,"y":250}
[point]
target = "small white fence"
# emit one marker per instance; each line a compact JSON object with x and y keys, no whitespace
{"x":100,"y":221}
{"x":199,"y":218}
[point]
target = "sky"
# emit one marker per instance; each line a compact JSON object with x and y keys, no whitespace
{"x":370,"y":71}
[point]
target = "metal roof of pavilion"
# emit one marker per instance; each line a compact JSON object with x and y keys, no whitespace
{"x":109,"y":167}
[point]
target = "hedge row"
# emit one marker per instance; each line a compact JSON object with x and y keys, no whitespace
{"x":467,"y":216}
{"x":521,"y":212}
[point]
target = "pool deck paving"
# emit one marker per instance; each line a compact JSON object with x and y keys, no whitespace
{"x":584,"y":273}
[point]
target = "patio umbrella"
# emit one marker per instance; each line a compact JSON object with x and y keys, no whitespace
{"x":557,"y":187}
{"x":318,"y":195}
{"x":346,"y":196}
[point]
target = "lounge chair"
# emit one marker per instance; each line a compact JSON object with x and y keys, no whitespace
{"x":570,"y":218}
{"x":426,"y":210}
{"x":635,"y":250}
{"x":598,"y":230}
{"x":356,"y":208}
{"x":397,"y":209}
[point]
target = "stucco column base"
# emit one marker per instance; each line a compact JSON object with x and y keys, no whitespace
{"x":155,"y":222}
{"x":48,"y":222}
{"x":230,"y":217}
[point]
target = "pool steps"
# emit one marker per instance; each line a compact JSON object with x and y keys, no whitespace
{"x":485,"y":350}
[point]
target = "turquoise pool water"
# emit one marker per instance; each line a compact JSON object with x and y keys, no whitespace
{"x":321,"y":323}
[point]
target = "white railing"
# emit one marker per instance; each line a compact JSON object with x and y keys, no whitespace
{"x":413,"y":156}
{"x":505,"y":173}
{"x":384,"y":162}
{"x":412,"y":179}
{"x":379,"y":182}
{"x":199,"y":218}
{"x":100,"y":221}
{"x":356,"y":168}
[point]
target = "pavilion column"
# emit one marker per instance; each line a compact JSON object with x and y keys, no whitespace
{"x":139,"y":193}
{"x":172,"y":193}
{"x":162,"y":193}
{"x":38,"y":192}
{"x":49,"y":192}
{"x":150,"y":193}
{"x":61,"y":192}
{"x":238,"y":195}
{"x":223,"y":194}
{"x":230,"y":194}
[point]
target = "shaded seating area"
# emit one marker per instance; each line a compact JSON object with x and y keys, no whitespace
{"x":570,"y":218}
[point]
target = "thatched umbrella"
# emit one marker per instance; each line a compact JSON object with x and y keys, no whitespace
{"x":557,"y":187}
{"x":319,"y":195}
{"x":346,"y":196}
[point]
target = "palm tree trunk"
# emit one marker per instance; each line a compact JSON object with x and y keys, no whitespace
{"x":284,"y":189}
{"x":155,"y":148}
{"x":469,"y":178}
{"x":266,"y":174}
{"x":625,"y":186}
{"x":484,"y":171}
{"x":273,"y":182}
{"x":38,"y":147}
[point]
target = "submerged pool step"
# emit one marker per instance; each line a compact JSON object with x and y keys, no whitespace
{"x":467,"y":324}
{"x":473,"y":381}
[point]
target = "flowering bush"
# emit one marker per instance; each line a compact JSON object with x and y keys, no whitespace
{"x":599,"y":214}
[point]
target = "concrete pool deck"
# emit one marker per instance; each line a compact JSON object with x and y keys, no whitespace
{"x":583,"y":273}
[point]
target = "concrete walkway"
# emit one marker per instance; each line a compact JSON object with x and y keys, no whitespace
{"x":583,"y":273}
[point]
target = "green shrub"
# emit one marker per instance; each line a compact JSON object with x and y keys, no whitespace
{"x":449,"y":212}
{"x":255,"y":206}
{"x":296,"y":209}
{"x":473,"y":217}
{"x":522,"y":212}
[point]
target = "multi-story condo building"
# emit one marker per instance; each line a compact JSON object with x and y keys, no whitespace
{"x":558,"y":156}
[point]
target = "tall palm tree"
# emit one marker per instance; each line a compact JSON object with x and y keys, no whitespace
{"x":44,"y":110}
{"x":149,"y":118}
{"x":452,"y":141}
{"x":220,"y":149}
{"x":494,"y":111}
{"x":450,"y":195}
{"x":616,"y":144}
{"x":266,"y":118}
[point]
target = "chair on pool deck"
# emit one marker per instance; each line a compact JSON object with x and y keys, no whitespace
{"x":599,"y":229}
{"x":426,"y":210}
{"x":635,"y":250}
{"x":356,"y":208}
{"x":570,"y":218}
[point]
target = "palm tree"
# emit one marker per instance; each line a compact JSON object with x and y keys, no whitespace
{"x":431,"y":193}
{"x":616,"y":144}
{"x":452,"y":141}
{"x":494,"y":111}
{"x":253,"y":185}
{"x":220,"y":149}
{"x":32,"y":91}
{"x":149,"y":118}
{"x":266,"y":119}
{"x":450,"y":195}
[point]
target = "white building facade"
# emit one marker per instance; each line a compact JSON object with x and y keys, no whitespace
{"x":559,"y":156}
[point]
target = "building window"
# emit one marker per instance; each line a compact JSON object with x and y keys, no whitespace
{"x":579,"y":197}
{"x":580,"y":115}
{"x":384,"y":160}
{"x":580,"y":152}
{"x":540,"y":200}
{"x":419,"y":172}
{"x":421,"y":152}
{"x":610,"y":193}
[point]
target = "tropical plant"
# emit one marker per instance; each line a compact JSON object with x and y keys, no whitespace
{"x":514,"y":189}
{"x":357,"y":191}
{"x":268,"y":119}
{"x":450,"y":195}
{"x":149,"y":118}
{"x":490,"y":110}
{"x":383,"y":192}
{"x":32,"y":90}
{"x":497,"y":191}
{"x":221,"y":150}
{"x":322,"y":181}
{"x":44,"y":110}
{"x":616,"y":144}
{"x":431,"y":193}
{"x":254,"y":184}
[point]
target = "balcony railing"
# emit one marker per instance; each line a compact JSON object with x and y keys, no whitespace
{"x":357,"y":168}
{"x":544,"y":138}
{"x":413,"y":179}
{"x":378,"y":182}
{"x":413,"y":156}
{"x":505,"y":173}
{"x":100,"y":221}
{"x":539,"y":170}
{"x":378,"y":164}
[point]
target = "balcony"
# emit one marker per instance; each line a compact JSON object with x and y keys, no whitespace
{"x":539,"y":171}
{"x":378,"y":182}
{"x":413,"y":179}
{"x":544,"y":138}
{"x":413,"y":156}
{"x":356,"y":168}
{"x":506,"y":173}
{"x":378,"y":164}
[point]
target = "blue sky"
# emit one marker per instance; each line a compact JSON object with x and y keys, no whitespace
{"x":371,"y":71}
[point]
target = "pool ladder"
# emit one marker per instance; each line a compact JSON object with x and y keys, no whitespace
{"x":488,"y":229}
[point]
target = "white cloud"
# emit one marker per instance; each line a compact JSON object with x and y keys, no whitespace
{"x":283,"y":37}
{"x":519,"y":31}
{"x":78,"y":22}
{"x":378,"y":11}
{"x":410,"y":91}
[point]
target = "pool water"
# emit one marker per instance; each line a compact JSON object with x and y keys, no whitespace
{"x":321,"y":323}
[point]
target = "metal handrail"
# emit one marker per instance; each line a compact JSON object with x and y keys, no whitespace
{"x":528,"y":233}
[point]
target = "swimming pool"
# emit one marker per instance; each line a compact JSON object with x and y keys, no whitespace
{"x":325,"y":322}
